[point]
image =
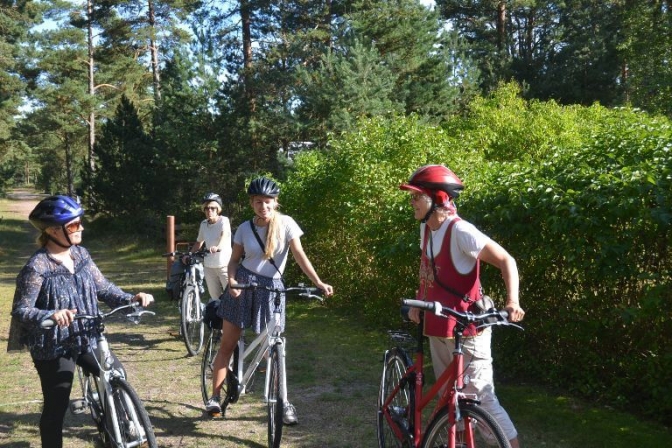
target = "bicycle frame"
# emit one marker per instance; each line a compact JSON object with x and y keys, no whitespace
{"x":98,"y":391}
{"x":190,"y":305}
{"x":104,"y":359}
{"x":452,"y":379}
{"x":260,"y":347}
{"x":402,"y":405}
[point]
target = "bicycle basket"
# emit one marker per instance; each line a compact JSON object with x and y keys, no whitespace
{"x":402,"y":339}
{"x":210,"y":317}
{"x":174,"y":282}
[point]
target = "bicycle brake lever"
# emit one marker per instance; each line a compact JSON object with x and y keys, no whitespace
{"x":498,"y":323}
{"x":135,"y":316}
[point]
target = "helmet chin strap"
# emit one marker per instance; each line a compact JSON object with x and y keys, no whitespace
{"x":67,"y":238}
{"x":431,"y":210}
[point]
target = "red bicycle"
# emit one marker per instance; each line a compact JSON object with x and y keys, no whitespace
{"x":457,"y":421}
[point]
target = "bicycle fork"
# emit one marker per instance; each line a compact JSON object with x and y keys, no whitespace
{"x":278,"y":345}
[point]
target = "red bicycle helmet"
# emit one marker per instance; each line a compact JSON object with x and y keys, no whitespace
{"x":436,"y":181}
{"x":55,"y":211}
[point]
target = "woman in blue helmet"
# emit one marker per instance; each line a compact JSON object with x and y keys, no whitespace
{"x":59,"y":280}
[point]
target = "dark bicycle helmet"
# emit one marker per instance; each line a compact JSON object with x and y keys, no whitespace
{"x":263,"y":186}
{"x":55,"y":211}
{"x":433,"y":179}
{"x":212,"y":197}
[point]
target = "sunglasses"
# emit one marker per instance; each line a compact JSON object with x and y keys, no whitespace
{"x":214,"y":209}
{"x":416,"y":196}
{"x":74,"y":226}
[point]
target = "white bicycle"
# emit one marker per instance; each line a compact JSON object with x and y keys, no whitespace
{"x":269,"y":345}
{"x":115,"y":407}
{"x":191,"y":306}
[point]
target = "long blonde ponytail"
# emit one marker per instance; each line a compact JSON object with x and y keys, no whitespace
{"x":275,"y":237}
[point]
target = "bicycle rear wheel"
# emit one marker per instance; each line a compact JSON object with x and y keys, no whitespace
{"x":191,"y":321}
{"x":400,"y":409}
{"x":129,"y":425}
{"x":476,"y":429}
{"x":275,"y":402}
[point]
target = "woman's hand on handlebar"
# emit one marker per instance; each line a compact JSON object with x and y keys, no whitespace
{"x":64,"y":318}
{"x":143,"y":299}
{"x":233,"y":292}
{"x":516,"y":313}
{"x":414,"y":315}
{"x":328,"y":289}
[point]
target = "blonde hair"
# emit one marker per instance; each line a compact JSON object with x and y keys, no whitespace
{"x":42,"y":239}
{"x":275,"y":237}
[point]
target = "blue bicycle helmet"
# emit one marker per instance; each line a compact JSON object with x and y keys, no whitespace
{"x":55,"y":211}
{"x":263,"y":186}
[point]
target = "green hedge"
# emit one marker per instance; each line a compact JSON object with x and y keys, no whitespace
{"x":579,"y":196}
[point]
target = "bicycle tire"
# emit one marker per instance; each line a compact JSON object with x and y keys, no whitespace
{"x":232,"y":382}
{"x":210,"y":350}
{"x":93,"y":400}
{"x":131,"y":417}
{"x":230,"y":387}
{"x":275,"y":403}
{"x":486,"y":431}
{"x":191,"y":321}
{"x":395,"y":365}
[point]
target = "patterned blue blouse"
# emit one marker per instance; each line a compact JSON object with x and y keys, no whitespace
{"x":44,"y":286}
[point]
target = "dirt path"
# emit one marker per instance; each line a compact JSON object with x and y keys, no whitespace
{"x":23,"y":200}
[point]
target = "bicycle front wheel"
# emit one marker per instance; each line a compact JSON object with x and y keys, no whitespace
{"x":129,"y":424}
{"x":191,"y":321}
{"x":229,"y":392}
{"x":275,"y":402}
{"x":399,"y":409}
{"x":476,"y":429}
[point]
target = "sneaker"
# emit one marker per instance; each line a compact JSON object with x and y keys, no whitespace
{"x":289,"y":416}
{"x":212,"y":407}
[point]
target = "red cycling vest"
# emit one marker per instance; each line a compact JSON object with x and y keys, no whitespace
{"x":430,"y":290}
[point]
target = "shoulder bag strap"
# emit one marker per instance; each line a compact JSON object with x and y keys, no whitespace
{"x":464,"y":297}
{"x":263,"y":246}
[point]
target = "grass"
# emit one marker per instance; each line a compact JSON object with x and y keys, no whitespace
{"x":333,"y":361}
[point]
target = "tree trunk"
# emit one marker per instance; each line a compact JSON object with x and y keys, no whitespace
{"x":68,"y":165}
{"x":92,"y":87}
{"x":154,"y":51}
{"x":246,"y":19}
{"x":501,"y":25}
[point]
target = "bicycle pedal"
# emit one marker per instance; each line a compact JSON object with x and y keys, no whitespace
{"x":78,"y":406}
{"x":215,"y":414}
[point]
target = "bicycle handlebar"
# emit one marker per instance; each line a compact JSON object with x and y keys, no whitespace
{"x":486,"y":319}
{"x":309,"y":292}
{"x":199,"y":253}
{"x":134,"y":316}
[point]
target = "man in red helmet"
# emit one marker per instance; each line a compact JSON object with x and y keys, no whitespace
{"x":449,"y":273}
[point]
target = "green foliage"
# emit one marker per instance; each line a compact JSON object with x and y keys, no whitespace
{"x":348,"y":197}
{"x":604,"y":210}
{"x":581,"y":197}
